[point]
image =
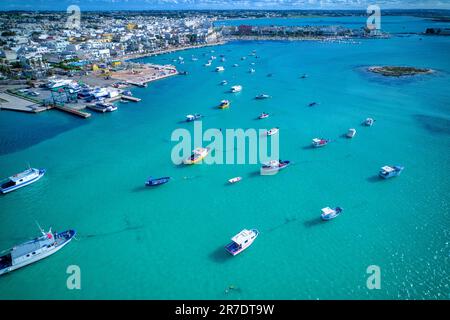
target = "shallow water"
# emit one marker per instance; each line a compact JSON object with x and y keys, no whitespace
{"x":167,"y":242}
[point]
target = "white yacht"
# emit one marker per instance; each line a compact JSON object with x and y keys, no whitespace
{"x":220,"y":69}
{"x":21,"y":179}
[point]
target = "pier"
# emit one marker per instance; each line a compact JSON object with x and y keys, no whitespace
{"x":73,"y":111}
{"x":130,"y":98}
{"x":13,"y":102}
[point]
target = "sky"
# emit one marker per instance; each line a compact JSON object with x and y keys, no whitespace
{"x":218,"y":4}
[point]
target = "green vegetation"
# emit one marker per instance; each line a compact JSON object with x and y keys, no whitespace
{"x":396,"y":71}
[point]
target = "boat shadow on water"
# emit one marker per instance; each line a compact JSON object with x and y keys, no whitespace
{"x":220,"y":255}
{"x":374,"y":178}
{"x":312,"y":222}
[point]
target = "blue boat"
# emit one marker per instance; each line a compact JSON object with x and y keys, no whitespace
{"x":151,"y":182}
{"x":21,"y":179}
{"x":387,"y":172}
{"x":328,"y":213}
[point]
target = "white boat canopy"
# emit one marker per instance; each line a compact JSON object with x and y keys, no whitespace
{"x":327,"y":210}
{"x":21,"y":175}
{"x":387,"y":169}
{"x":316,"y":140}
{"x":242,"y":236}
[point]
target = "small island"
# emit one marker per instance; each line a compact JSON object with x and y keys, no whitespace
{"x":396,"y":71}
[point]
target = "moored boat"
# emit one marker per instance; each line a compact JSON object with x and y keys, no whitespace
{"x":319,"y":142}
{"x":351,"y":133}
{"x":220,"y":69}
{"x":102,"y":107}
{"x":369,"y":122}
{"x":197,"y":155}
{"x":224,"y":82}
{"x":192,"y":117}
{"x":151,"y":182}
{"x":263,"y":115}
{"x":262,"y":96}
{"x":235,"y":179}
{"x":241,"y":241}
{"x":224,"y":104}
{"x":252,"y":70}
{"x":312,"y":104}
{"x":236,"y":88}
{"x":387,"y":172}
{"x":274,"y":166}
{"x":272,"y":131}
{"x":328,"y":213}
{"x":34,"y":250}
{"x":21,"y":179}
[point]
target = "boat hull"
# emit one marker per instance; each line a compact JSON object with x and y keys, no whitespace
{"x":327,"y":217}
{"x":70,"y":234}
{"x":233,"y":250}
{"x":10,"y":189}
{"x":157,"y":182}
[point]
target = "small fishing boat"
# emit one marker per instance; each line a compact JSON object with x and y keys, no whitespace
{"x":241,"y":241}
{"x":318,"y":142}
{"x":208,"y":64}
{"x":197,"y":155}
{"x":304,"y":76}
{"x":102,"y":107}
{"x":237,"y":88}
{"x":313,"y":104}
{"x":220,"y":69}
{"x":192,"y":117}
{"x":252,"y":70}
{"x":369,"y":122}
{"x":21,"y":179}
{"x":262,"y":96}
{"x":151,"y":182}
{"x":224,"y":104}
{"x":34,"y":250}
{"x":235,"y":65}
{"x":235,"y":179}
{"x":328,"y":213}
{"x":224,"y":82}
{"x":273,"y":131}
{"x":263,"y":115}
{"x":274,"y":166}
{"x":387,"y":172}
{"x":351,"y":133}
{"x":243,"y":58}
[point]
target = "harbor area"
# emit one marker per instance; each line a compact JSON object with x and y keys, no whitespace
{"x":141,"y":74}
{"x":97,"y":90}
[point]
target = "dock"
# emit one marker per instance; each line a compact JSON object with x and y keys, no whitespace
{"x":130,"y":98}
{"x":137,"y":84}
{"x":73,"y":111}
{"x":12,"y":102}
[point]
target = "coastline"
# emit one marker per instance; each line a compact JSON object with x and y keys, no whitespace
{"x":157,"y":53}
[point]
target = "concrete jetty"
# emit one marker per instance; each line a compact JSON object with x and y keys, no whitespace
{"x":15,"y":103}
{"x":73,"y":111}
{"x":130,"y":98}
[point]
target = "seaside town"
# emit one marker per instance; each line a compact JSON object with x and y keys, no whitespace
{"x":70,"y":63}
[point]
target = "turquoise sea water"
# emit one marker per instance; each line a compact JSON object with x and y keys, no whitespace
{"x":167,"y":242}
